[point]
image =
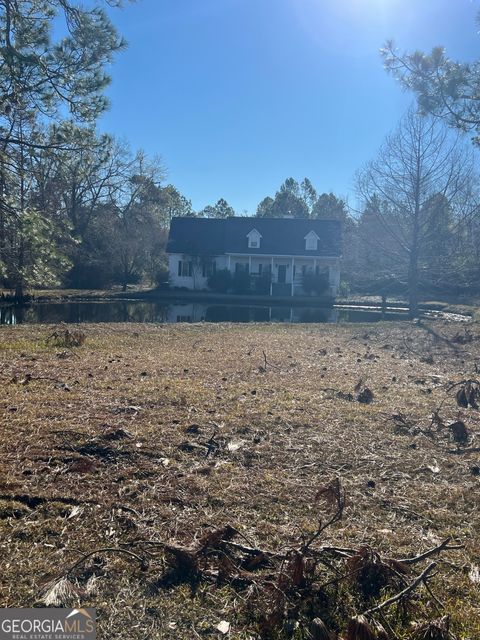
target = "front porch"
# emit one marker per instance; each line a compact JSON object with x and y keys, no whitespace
{"x":288,"y":275}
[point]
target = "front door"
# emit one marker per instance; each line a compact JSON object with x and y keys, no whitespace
{"x":282,"y":273}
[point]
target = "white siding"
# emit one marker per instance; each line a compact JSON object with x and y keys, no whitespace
{"x":196,"y":281}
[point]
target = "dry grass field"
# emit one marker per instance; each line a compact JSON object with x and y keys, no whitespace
{"x":220,"y":481}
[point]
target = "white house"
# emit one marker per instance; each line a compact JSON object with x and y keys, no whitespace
{"x":282,"y":256}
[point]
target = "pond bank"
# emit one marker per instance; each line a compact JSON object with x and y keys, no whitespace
{"x":467,"y":307}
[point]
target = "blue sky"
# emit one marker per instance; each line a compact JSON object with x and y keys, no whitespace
{"x":237,"y":95}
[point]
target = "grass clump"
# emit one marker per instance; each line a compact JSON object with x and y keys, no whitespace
{"x":67,"y":337}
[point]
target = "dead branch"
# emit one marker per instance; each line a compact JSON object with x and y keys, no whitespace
{"x":463,"y":383}
{"x":212,"y":445}
{"x":405,"y":592}
{"x":438,"y":337}
{"x":142,"y":561}
{"x":443,"y":546}
{"x":438,"y":603}
{"x":333,"y":493}
{"x":341,"y":552}
{"x":266,"y":363}
{"x":253,"y":551}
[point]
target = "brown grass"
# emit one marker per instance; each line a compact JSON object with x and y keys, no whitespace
{"x":104,"y":446}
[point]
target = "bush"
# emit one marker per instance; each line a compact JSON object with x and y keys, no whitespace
{"x":67,"y":338}
{"x":119,"y":277}
{"x":241,"y":282}
{"x":220,"y":281}
{"x":316,"y":283}
{"x":262,"y":284}
{"x":161,"y":275}
{"x":344,"y":289}
{"x":89,"y":276}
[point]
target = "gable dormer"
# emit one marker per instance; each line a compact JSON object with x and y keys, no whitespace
{"x":254,"y":237}
{"x":311,"y":241}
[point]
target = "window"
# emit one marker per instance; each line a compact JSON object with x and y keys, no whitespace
{"x":240,"y":267}
{"x":254,"y":239}
{"x":208,"y":268}
{"x":185,"y":268}
{"x":311,"y":241}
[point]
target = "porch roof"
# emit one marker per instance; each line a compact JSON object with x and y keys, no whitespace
{"x":284,"y":256}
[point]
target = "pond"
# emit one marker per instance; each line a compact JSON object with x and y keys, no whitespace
{"x":171,"y":312}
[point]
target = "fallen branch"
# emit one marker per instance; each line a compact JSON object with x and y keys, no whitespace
{"x":253,"y":551}
{"x":443,"y":546}
{"x":142,"y":561}
{"x":266,"y":363}
{"x":405,"y":592}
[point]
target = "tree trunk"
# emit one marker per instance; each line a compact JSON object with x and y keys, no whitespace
{"x":413,"y":285}
{"x":19,"y":291}
{"x":414,"y":249}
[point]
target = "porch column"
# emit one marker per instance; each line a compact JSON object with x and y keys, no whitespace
{"x":271,"y":279}
{"x":249,"y":265}
{"x":293,"y":271}
{"x":315,"y":266}
{"x":229,"y":261}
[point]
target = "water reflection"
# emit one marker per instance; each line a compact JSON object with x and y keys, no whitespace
{"x":140,"y":311}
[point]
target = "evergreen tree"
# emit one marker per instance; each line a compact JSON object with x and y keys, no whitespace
{"x":47,"y":75}
{"x":445,"y":88}
{"x":220,"y":210}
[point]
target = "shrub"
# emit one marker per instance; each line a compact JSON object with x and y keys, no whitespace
{"x":241,"y":282}
{"x":316,"y":283}
{"x":220,"y":281}
{"x":344,"y":289}
{"x":161,"y":275}
{"x":89,"y":276}
{"x":262,"y":284}
{"x":67,"y":338}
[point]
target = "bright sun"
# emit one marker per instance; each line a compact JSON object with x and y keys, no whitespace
{"x":326,"y":15}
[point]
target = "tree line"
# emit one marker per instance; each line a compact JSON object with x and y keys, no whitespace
{"x":81,"y":209}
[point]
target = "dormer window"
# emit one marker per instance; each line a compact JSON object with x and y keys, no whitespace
{"x":254,"y":238}
{"x":311,"y":241}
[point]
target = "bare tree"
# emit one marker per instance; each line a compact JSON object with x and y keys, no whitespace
{"x":420,"y":164}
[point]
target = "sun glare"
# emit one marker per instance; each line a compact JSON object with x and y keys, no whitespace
{"x":340,"y":25}
{"x":351,"y":9}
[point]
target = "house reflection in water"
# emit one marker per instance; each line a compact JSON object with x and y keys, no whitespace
{"x":194,"y":312}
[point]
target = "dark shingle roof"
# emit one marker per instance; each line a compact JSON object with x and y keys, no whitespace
{"x":280,"y":236}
